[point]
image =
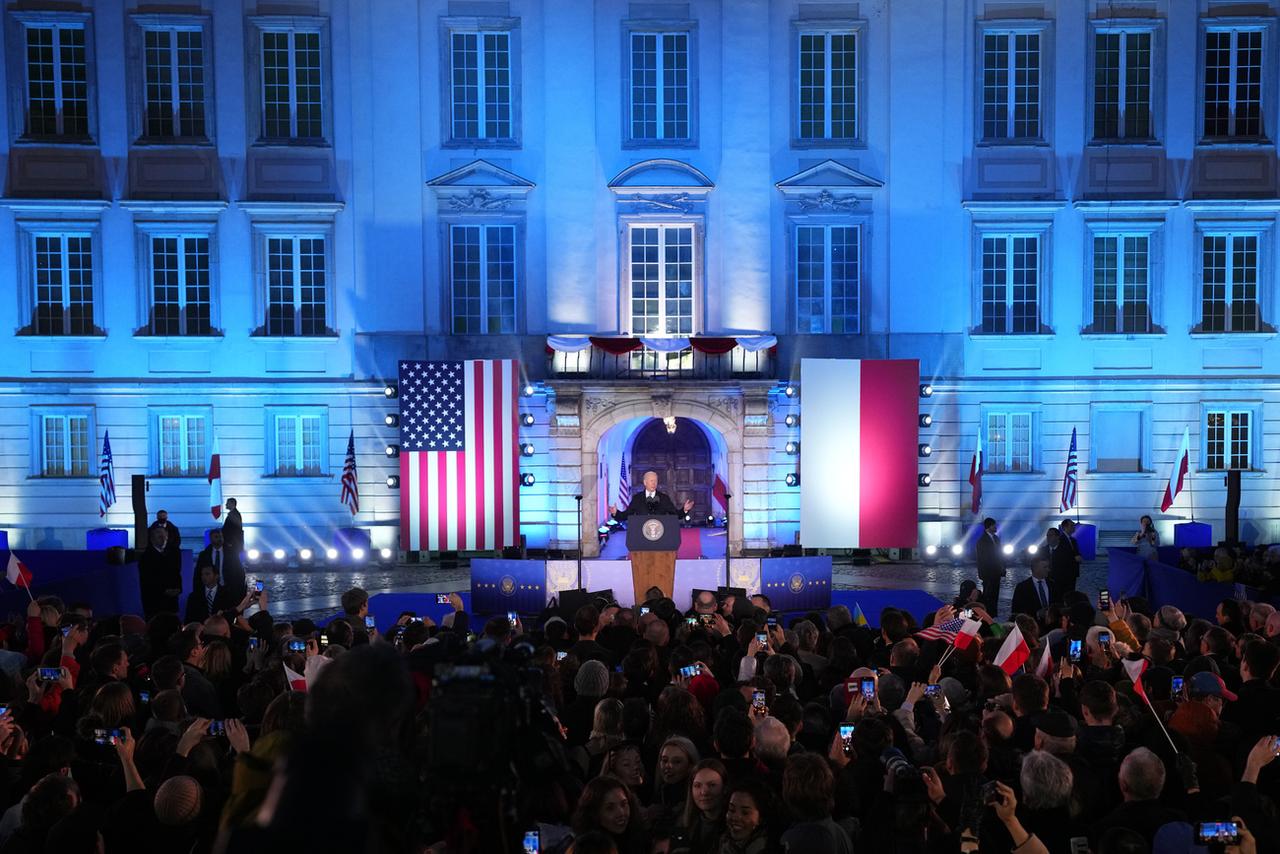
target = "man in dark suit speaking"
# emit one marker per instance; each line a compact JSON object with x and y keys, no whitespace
{"x":651,"y":502}
{"x":651,"y":568}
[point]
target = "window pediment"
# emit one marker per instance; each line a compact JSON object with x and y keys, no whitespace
{"x":480,"y":187}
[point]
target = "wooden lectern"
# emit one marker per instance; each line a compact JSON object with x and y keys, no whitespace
{"x":652,"y":542}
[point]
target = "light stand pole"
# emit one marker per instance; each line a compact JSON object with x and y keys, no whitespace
{"x":727,"y":529}
{"x":578,"y":498}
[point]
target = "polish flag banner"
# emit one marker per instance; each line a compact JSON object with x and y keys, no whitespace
{"x":297,"y":682}
{"x":215,"y":480}
{"x":859,"y":459}
{"x":1134,"y":670}
{"x":1044,"y":667}
{"x":967,"y":634}
{"x":17,"y":573}
{"x":975,"y":475}
{"x":1014,"y":652}
{"x":1178,"y":474}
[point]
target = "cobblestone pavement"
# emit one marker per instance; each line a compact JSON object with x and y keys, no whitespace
{"x":317,"y":592}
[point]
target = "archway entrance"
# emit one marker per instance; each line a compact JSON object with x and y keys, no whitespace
{"x":682,"y":460}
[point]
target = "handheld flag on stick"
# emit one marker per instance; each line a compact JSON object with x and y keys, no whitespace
{"x":1014,"y":652}
{"x":297,"y":682}
{"x":18,"y":575}
{"x":859,"y":618}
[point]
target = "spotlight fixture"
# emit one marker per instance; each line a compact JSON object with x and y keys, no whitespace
{"x":305,"y":555}
{"x":792,"y":479}
{"x":926,"y":390}
{"x":711,"y":520}
{"x":957,"y":550}
{"x":390,"y":391}
{"x":791,"y":391}
{"x":357,"y":554}
{"x":792,"y":448}
{"x":931,"y":550}
{"x":527,"y":419}
{"x":925,"y":449}
{"x":528,"y":390}
{"x":925,"y":479}
{"x":385,"y":554}
{"x":1007,"y":548}
{"x":526,"y":449}
{"x":688,"y":517}
{"x":393,"y":450}
{"x":392,"y":420}
{"x":393,"y":481}
{"x":1033,"y":550}
{"x":791,"y":420}
{"x":254,"y":555}
{"x":527,"y":479}
{"x":279,"y":555}
{"x":331,"y":553}
{"x":926,"y":420}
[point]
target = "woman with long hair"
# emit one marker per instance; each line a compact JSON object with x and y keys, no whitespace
{"x":748,"y":811}
{"x":606,"y":734}
{"x":676,"y":759}
{"x":607,"y":806}
{"x":703,"y":819}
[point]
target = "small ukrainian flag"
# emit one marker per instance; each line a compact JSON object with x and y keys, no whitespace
{"x":859,"y":618}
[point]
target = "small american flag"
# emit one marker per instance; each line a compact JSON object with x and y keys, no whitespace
{"x":350,"y":486}
{"x":624,"y":486}
{"x":459,"y":455}
{"x":1069,"y":476}
{"x":106,"y":477}
{"x":942,"y":631}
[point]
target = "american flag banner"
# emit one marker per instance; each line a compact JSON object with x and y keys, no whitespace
{"x":1069,"y":476}
{"x":350,"y":485}
{"x":942,"y":631}
{"x":106,"y":477}
{"x":459,"y":455}
{"x":624,"y":485}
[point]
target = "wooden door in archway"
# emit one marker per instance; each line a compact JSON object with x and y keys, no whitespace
{"x":682,"y":460}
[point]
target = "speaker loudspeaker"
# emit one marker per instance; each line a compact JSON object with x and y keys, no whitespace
{"x":138,"y":489}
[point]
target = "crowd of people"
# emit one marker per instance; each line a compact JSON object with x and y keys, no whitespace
{"x":724,"y":729}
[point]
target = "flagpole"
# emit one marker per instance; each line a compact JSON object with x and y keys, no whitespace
{"x":1159,"y":722}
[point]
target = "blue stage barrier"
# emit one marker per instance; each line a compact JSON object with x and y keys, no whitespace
{"x":82,"y":576}
{"x":1196,"y":535}
{"x":797,"y":583}
{"x":916,"y":602}
{"x":1086,"y":537}
{"x":1167,"y":584}
{"x":4,"y":541}
{"x":101,"y":539}
{"x":1126,"y":573}
{"x":499,"y":585}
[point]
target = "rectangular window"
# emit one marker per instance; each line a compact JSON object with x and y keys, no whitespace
{"x":1228,"y":439}
{"x":480,"y":85}
{"x":828,"y":98}
{"x":57,"y":81}
{"x":1008,"y":442}
{"x":296,"y":285}
{"x":1117,"y":437}
{"x":65,"y":446}
{"x":183,"y":451}
{"x":292,"y":97}
{"x":174,"y":83}
{"x":1010,"y":284}
{"x":828,"y":278}
{"x":1010,"y":85}
{"x":482,"y":271}
{"x":299,"y":444}
{"x":1121,"y":283}
{"x":661,"y":274}
{"x":1122,"y":85}
{"x":1230,"y":283}
{"x":63,"y":269}
{"x":660,"y":86}
{"x":1233,"y":84}
{"x":181,"y":291}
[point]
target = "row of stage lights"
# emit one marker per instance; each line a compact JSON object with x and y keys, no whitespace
{"x":792,"y":447}
{"x":392,"y":419}
{"x":305,"y":556}
{"x":957,"y":550}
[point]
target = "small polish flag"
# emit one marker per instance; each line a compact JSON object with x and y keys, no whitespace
{"x":967,"y":633}
{"x":1013,"y":652}
{"x":297,"y":682}
{"x":215,"y":480}
{"x":1135,"y":669}
{"x":1045,"y":665}
{"x":1178,"y":474}
{"x":17,"y":573}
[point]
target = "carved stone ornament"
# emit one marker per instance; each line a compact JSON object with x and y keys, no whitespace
{"x":596,"y":405}
{"x":661,"y":406}
{"x":479,"y":199}
{"x":728,"y":405}
{"x":827,"y":201}
{"x":672,"y":203}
